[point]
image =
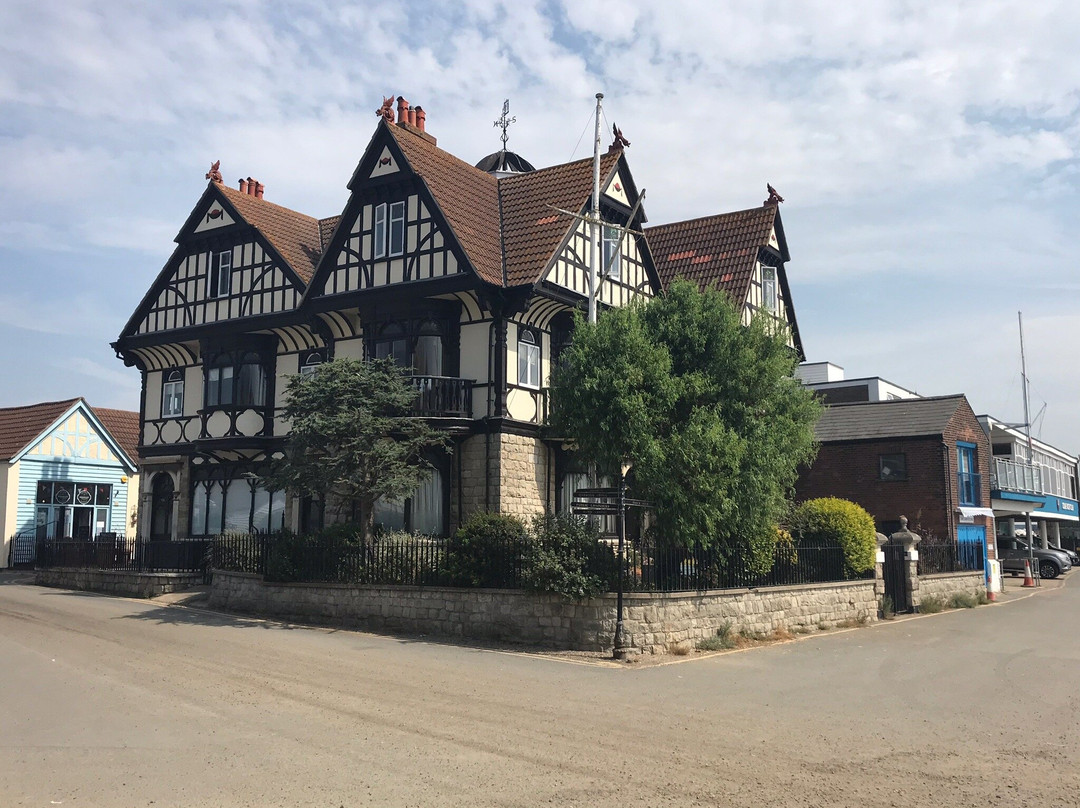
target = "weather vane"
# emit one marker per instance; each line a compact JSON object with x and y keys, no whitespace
{"x":504,"y":122}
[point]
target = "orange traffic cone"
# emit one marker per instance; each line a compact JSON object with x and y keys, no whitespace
{"x":1029,"y":579}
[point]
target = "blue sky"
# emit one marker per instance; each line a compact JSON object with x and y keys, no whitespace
{"x":928,"y":153}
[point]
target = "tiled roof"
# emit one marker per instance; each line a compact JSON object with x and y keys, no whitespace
{"x":907,"y":417}
{"x":296,"y":236}
{"x":327,"y":227}
{"x":123,"y":425}
{"x":532,"y":229}
{"x":718,"y":251}
{"x":20,"y":425}
{"x":467,"y":196}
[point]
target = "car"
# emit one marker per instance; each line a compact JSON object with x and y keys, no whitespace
{"x":1049,"y":563}
{"x":1074,"y":556}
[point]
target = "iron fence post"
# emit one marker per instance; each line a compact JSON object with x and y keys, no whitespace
{"x":620,"y":650}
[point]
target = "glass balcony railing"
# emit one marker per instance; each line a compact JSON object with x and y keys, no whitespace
{"x":1022,"y":478}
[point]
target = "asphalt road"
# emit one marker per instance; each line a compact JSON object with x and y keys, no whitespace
{"x":114,"y":702}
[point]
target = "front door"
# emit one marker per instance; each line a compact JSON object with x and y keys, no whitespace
{"x":161,"y":508}
{"x":971,"y":547}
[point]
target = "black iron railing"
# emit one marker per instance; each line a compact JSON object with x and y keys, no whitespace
{"x":423,"y":561}
{"x":938,"y":557}
{"x":115,"y":552}
{"x":442,"y":396}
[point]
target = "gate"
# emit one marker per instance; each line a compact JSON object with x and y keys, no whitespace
{"x":896,"y":579}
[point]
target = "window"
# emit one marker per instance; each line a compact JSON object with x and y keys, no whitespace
{"x":172,"y":394}
{"x":397,"y":228}
{"x":379,"y":234}
{"x":422,"y":512}
{"x":388,"y":235}
{"x":612,"y":258}
{"x":236,"y":379}
{"x":220,"y":273}
{"x":72,"y":510}
{"x":234,"y":503}
{"x":968,"y":479}
{"x":768,"y":289}
{"x":528,"y":358}
{"x":310,"y":361}
{"x":417,"y":345}
{"x":892,"y":467}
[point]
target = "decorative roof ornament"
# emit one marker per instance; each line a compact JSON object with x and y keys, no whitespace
{"x":386,"y":111}
{"x":619,"y":143}
{"x":214,"y":174}
{"x":504,"y":122}
{"x":774,"y":198}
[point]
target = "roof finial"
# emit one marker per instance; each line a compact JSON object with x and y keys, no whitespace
{"x":387,"y":109}
{"x":214,"y":173}
{"x":619,"y":143}
{"x":774,"y":198}
{"x":504,"y":122}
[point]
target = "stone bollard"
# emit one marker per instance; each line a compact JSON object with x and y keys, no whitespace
{"x":879,"y":567}
{"x":910,"y":541}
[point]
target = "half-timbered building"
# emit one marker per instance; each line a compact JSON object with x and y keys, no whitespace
{"x":467,"y":275}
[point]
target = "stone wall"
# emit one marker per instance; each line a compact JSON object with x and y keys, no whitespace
{"x":653,"y":623}
{"x":524,"y":475}
{"x":947,"y":584}
{"x":115,"y":582}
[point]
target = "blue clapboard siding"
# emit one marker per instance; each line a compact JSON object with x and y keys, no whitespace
{"x":75,"y":470}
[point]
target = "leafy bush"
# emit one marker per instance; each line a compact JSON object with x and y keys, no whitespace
{"x":567,"y":557}
{"x":838,"y":522}
{"x":486,"y":551}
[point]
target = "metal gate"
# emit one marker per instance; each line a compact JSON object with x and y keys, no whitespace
{"x":896,"y":579}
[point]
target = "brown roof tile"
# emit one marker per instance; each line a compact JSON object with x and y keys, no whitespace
{"x":20,"y":425}
{"x":296,"y":236}
{"x":327,"y":227}
{"x":716,"y":251}
{"x":467,"y":196}
{"x":532,"y":230}
{"x":123,"y":425}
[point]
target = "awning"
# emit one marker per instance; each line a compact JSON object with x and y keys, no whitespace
{"x":964,"y":511}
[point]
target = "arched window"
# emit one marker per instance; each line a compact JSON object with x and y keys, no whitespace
{"x":172,"y":394}
{"x":310,"y":361}
{"x":528,"y":358}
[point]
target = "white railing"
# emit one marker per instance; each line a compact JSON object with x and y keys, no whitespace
{"x":1009,"y":475}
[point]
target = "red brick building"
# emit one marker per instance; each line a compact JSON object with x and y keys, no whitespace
{"x":924,"y":458}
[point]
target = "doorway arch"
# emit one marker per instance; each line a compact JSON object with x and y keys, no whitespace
{"x":161,"y":507}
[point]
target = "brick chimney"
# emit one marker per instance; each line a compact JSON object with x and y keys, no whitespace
{"x":252,"y":187}
{"x":421,"y":116}
{"x":402,"y":110}
{"x":243,"y":185}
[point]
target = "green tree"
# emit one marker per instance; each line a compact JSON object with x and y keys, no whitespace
{"x":706,"y":409}
{"x":353,"y":439}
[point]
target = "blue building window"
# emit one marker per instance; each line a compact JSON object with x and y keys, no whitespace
{"x":969,"y":480}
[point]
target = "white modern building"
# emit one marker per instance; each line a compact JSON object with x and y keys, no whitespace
{"x":828,"y":380}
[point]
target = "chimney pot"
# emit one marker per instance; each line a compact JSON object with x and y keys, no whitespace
{"x":421,"y":116}
{"x":250,"y":186}
{"x":259,"y":188}
{"x":243,"y":185}
{"x":402,"y":109}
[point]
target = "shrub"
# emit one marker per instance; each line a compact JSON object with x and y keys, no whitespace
{"x":486,"y":551}
{"x":888,"y":608}
{"x":567,"y":557}
{"x":721,"y":641}
{"x":963,"y":600}
{"x":838,"y":522}
{"x":932,"y":604}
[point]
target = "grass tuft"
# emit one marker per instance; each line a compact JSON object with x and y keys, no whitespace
{"x":932,"y":604}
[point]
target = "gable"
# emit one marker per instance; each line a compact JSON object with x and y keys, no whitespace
{"x":77,"y":435}
{"x":395,"y":231}
{"x":570,"y":270}
{"x":258,"y":279}
{"x":616,"y":189}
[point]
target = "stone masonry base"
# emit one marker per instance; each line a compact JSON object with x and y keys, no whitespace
{"x":947,"y":584}
{"x":653,"y":623}
{"x":114,"y":582}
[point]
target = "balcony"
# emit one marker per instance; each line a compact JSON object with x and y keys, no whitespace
{"x":442,"y":396}
{"x":1021,"y":478}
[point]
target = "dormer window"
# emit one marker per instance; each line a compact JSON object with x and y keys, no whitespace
{"x":768,"y":289}
{"x":612,"y":259}
{"x":172,"y":394}
{"x":389,"y":230}
{"x":220,"y":273}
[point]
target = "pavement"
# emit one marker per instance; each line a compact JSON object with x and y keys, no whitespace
{"x":118,"y":702}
